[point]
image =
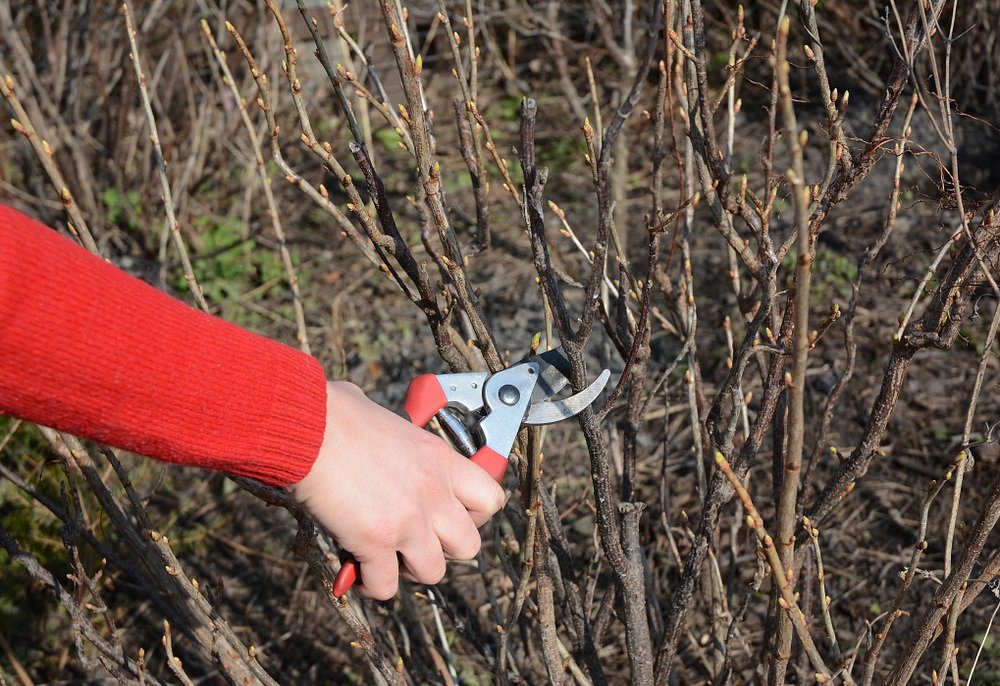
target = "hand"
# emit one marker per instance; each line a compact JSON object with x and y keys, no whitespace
{"x":383,"y":486}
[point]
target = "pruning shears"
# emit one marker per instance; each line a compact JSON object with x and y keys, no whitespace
{"x":482,"y":413}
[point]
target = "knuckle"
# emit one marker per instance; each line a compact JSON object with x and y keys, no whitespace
{"x":433,"y":572}
{"x":499,"y":498}
{"x":348,"y":387}
{"x":432,"y":444}
{"x":429,"y":473}
{"x":382,"y":591}
{"x":380,"y":532}
{"x":470,"y":547}
{"x":353,"y":387}
{"x":438,"y":572}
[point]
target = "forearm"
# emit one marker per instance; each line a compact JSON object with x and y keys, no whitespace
{"x":90,"y":350}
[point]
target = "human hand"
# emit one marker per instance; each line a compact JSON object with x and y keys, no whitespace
{"x":381,"y":486}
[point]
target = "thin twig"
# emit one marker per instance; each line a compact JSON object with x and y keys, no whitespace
{"x":780,"y":577}
{"x":161,"y":164}
{"x":272,"y":207}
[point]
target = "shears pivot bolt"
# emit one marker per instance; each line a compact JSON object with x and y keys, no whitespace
{"x":509,"y":395}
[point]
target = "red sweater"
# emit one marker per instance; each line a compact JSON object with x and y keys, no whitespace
{"x":90,"y":350}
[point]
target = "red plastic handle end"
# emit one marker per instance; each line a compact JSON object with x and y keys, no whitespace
{"x":491,"y":461}
{"x":346,"y":577}
{"x":424,"y":398}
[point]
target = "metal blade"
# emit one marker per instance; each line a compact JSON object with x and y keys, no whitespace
{"x":554,"y":371}
{"x":550,"y":411}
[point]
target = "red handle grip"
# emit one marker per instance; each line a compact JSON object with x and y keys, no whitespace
{"x":491,"y":461}
{"x":346,"y":577}
{"x":424,"y":399}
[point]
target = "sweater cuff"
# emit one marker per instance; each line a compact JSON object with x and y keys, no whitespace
{"x":290,"y":440}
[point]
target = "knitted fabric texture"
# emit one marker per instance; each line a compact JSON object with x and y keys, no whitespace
{"x":89,"y":350}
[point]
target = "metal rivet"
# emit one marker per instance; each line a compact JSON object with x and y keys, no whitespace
{"x":509,"y":395}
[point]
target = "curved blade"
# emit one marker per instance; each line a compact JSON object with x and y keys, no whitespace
{"x":554,"y":371}
{"x":550,"y":411}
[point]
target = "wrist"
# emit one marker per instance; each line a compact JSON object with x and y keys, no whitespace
{"x":320,"y":476}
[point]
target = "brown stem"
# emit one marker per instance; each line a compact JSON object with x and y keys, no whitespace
{"x":926,"y":624}
{"x":792,"y":468}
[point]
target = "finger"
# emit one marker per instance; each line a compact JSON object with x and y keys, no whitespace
{"x":459,"y":537}
{"x":423,"y":561}
{"x":477,"y":491}
{"x":379,"y":576}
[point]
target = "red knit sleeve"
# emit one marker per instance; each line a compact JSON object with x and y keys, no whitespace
{"x":90,"y":350}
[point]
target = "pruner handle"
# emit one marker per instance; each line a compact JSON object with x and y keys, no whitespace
{"x":424,"y":399}
{"x":492,"y":462}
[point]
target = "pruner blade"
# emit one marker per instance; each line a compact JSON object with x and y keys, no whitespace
{"x":553,"y":373}
{"x":551,"y":411}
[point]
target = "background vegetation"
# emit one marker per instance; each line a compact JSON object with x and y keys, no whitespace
{"x":776,"y":224}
